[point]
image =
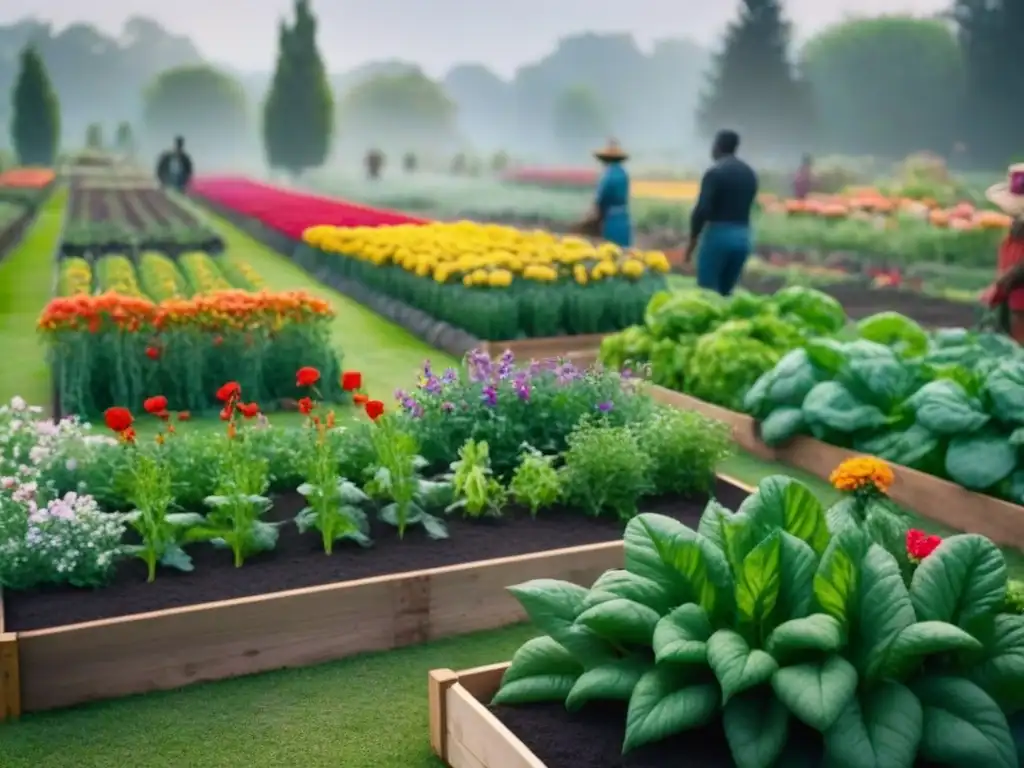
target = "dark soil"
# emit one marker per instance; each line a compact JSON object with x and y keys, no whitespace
{"x":592,"y":738}
{"x":299,"y":561}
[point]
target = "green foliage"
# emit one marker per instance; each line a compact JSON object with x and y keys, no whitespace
{"x":887,"y":86}
{"x":397,"y":112}
{"x":579,"y":121}
{"x":685,"y":449}
{"x":298,"y":115}
{"x":764,"y":617}
{"x":605,"y":470}
{"x":477,"y":493}
{"x":35,"y":121}
{"x":203,"y":104}
{"x":536,"y":482}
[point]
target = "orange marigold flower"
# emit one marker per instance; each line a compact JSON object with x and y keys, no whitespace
{"x":862,"y":473}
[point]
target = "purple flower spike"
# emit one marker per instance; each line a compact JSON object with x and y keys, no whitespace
{"x":606,"y":406}
{"x":489,"y":395}
{"x":450,"y":376}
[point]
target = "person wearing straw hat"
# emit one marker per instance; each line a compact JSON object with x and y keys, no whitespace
{"x":609,"y":217}
{"x":1007,"y":293}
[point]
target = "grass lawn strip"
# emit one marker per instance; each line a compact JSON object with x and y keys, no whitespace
{"x":26,"y":275}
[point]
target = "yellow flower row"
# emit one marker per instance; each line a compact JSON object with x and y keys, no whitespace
{"x":245,"y":269}
{"x":485,"y":254}
{"x":117,"y":275}
{"x":161,"y":278}
{"x":75,"y":277}
{"x":203,"y":273}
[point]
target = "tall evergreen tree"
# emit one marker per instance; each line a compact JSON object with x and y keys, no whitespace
{"x":753,"y":88}
{"x":298,"y":115}
{"x":35,"y":122}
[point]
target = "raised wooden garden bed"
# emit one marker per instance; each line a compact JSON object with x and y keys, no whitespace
{"x":932,"y":497}
{"x":60,"y":666}
{"x":581,"y":350}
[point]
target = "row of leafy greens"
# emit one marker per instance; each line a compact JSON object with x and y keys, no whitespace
{"x":781,"y":613}
{"x":715,"y":348}
{"x":950,"y":403}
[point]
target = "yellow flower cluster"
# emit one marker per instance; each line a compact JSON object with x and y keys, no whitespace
{"x":160,"y":277}
{"x":116,"y":274}
{"x":486,"y":254}
{"x":202,"y":273}
{"x":862,"y":473}
{"x":75,"y":277}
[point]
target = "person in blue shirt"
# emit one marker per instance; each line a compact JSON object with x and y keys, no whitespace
{"x":611,"y":206}
{"x":720,"y":221}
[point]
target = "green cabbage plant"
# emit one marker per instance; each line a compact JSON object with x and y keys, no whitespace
{"x":766,"y":616}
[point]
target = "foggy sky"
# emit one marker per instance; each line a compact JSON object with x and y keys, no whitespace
{"x":435,"y":33}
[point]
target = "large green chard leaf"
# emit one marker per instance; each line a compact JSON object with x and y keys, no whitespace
{"x":757,"y":726}
{"x":881,"y":728}
{"x":613,"y":681}
{"x":1000,"y":671}
{"x":961,"y":582}
{"x":541,"y":670}
{"x":553,"y":606}
{"x":894,"y":330}
{"x":845,"y":513}
{"x":737,"y":666}
{"x":799,"y":563}
{"x":759,"y":583}
{"x":981,"y":459}
{"x":817,"y":693}
{"x":831,"y":405}
{"x":818,"y":633}
{"x":963,"y":726}
{"x":906,"y":447}
{"x":884,"y":610}
{"x":944,"y":408}
{"x":666,"y":701}
{"x":619,"y":583}
{"x":781,"y":424}
{"x":791,"y":379}
{"x":883,"y":382}
{"x":781,"y":502}
{"x":838,"y":576}
{"x":621,"y":621}
{"x":925,"y":638}
{"x":712,"y":519}
{"x":826,"y":355}
{"x":681,"y":636}
{"x":1005,"y":387}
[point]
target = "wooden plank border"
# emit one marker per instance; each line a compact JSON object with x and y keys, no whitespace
{"x":161,"y":650}
{"x":463,"y":732}
{"x":932,"y":497}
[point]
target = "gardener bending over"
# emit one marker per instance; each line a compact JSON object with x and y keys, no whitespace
{"x":721,"y":218}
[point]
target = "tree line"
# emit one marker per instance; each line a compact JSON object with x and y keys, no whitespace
{"x":886,"y":87}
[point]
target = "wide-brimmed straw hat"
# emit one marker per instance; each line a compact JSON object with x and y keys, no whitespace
{"x":1009,"y":195}
{"x":611,"y":151}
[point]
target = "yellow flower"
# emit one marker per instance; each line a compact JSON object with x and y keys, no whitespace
{"x":862,"y":473}
{"x":579,"y":274}
{"x":633,"y":269}
{"x":500,"y":278}
{"x":657,"y":261}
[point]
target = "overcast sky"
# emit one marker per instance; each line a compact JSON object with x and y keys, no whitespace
{"x":435,"y":33}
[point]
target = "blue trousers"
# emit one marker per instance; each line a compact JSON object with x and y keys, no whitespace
{"x":724,"y":249}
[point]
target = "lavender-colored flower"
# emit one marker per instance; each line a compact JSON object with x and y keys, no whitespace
{"x":605,"y":406}
{"x":450,"y":376}
{"x":489,"y":395}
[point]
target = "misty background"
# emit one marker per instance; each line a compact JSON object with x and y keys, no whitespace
{"x":517,"y":77}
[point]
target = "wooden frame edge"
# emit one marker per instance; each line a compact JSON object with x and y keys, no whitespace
{"x":10,"y":677}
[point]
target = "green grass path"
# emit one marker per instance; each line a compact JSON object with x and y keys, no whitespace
{"x":25,"y":281}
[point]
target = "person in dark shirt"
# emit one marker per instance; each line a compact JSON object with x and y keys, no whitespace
{"x":720,"y":221}
{"x":174,"y":168}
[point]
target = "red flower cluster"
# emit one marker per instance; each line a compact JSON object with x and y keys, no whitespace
{"x":920,"y":544}
{"x":352,"y":381}
{"x":156,"y":406}
{"x":120,"y":420}
{"x":230,"y":393}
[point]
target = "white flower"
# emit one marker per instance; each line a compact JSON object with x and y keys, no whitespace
{"x":18,"y":403}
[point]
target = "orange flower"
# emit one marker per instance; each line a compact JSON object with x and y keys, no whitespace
{"x":155,"y":405}
{"x":306,"y":405}
{"x":249,"y":410}
{"x":232,"y":431}
{"x":374,"y":409}
{"x":862,"y":473}
{"x":307,"y":376}
{"x":360,"y":399}
{"x":127,"y":436}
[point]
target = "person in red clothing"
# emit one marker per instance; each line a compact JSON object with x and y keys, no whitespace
{"x":1007,"y":293}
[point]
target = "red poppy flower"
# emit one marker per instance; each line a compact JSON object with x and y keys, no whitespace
{"x":249,"y":410}
{"x":155,"y":405}
{"x":118,"y":419}
{"x":306,"y":405}
{"x":184,"y":415}
{"x":307,"y":376}
{"x":920,"y":544}
{"x":351,"y":380}
{"x":226,"y":412}
{"x":374,"y":409}
{"x":230,"y":391}
{"x":163,"y":415}
{"x":153,"y":353}
{"x":360,"y":399}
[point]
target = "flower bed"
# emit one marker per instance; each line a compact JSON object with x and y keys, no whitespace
{"x":787,"y":633}
{"x":456,"y":447}
{"x":495,"y":282}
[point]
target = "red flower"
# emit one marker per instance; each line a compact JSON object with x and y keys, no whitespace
{"x":374,"y":409}
{"x":307,"y":376}
{"x":128,"y":436}
{"x":920,"y":544}
{"x":249,"y":410}
{"x":163,"y":415}
{"x":218,"y":340}
{"x":351,"y":381}
{"x":118,"y":419}
{"x":226,"y":411}
{"x":306,"y":405}
{"x":155,"y":405}
{"x":153,"y":353}
{"x":360,"y":399}
{"x":230,"y":391}
{"x":184,"y":415}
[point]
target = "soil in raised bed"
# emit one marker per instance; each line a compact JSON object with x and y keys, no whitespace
{"x":592,"y":738}
{"x":299,"y":561}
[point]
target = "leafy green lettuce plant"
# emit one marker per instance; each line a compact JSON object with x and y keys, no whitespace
{"x":764,"y":617}
{"x":476,"y":491}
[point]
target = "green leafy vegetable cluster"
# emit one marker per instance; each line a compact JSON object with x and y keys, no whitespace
{"x":950,"y":403}
{"x":765,"y":617}
{"x":714,"y":348}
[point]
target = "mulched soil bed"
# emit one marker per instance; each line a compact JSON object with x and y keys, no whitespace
{"x":299,"y":561}
{"x":592,"y":738}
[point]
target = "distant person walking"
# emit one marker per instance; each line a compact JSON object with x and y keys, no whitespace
{"x":609,"y":217}
{"x":720,"y":221}
{"x":174,"y":168}
{"x":803,"y":182}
